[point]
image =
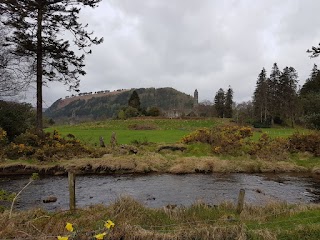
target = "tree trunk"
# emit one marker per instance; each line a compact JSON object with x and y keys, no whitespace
{"x":39,"y":69}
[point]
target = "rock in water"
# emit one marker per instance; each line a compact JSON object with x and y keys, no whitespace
{"x":50,"y":199}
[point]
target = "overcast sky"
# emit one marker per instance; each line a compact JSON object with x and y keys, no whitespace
{"x":195,"y":44}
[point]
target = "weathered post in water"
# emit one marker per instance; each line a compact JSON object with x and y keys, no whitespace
{"x":240,"y":201}
{"x":72,"y":190}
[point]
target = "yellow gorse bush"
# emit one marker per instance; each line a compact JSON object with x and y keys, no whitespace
{"x":223,"y":139}
{"x":46,"y":147}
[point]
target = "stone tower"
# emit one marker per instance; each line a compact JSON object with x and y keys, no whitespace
{"x":196,"y":98}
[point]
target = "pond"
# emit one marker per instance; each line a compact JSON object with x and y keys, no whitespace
{"x":163,"y":189}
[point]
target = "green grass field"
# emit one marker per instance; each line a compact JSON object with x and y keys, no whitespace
{"x":163,"y":130}
{"x":279,"y":132}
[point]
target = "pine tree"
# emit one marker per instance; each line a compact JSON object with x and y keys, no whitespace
{"x":38,"y":26}
{"x":260,"y":97}
{"x":219,"y":102}
{"x":134,"y":100}
{"x":310,"y":94}
{"x":287,"y":94}
{"x":228,"y":103}
{"x":273,"y":95}
{"x":312,"y":84}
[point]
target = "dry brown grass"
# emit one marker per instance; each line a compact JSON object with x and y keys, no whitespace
{"x":153,"y":162}
{"x":134,"y":221}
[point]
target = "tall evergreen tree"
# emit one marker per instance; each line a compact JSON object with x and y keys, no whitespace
{"x":219,"y":102}
{"x":287,"y":94}
{"x":228,"y":103}
{"x":273,"y":95}
{"x":312,"y":84}
{"x":38,"y":27}
{"x":260,"y":97}
{"x":134,"y":100}
{"x":310,"y":98}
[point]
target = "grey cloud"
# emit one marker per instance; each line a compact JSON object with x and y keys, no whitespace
{"x":189,"y":44}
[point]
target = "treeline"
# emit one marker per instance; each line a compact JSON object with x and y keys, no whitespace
{"x":278,"y":100}
{"x":221,"y":107}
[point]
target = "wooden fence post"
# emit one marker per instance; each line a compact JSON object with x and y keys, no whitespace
{"x":240,"y":201}
{"x":101,"y":142}
{"x":72,"y":190}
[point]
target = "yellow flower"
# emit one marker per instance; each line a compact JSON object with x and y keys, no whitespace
{"x":69,"y":227}
{"x":109,"y":224}
{"x":63,"y":238}
{"x":100,"y":236}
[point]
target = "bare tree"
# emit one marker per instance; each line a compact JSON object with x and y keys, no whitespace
{"x":15,"y":71}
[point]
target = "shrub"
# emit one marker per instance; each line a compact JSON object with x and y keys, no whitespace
{"x":261,"y":124}
{"x":305,"y":143}
{"x":48,"y":147}
{"x":131,"y":112}
{"x":121,"y":115}
{"x":15,"y":118}
{"x":202,"y":135}
{"x":224,"y":139}
{"x":268,"y":149}
{"x":144,"y":126}
{"x":153,"y":111}
{"x":313,"y":121}
{"x":229,"y":139}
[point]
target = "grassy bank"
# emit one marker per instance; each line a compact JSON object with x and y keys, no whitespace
{"x":159,"y":163}
{"x":200,"y":221}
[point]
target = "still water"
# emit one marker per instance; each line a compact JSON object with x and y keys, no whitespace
{"x":163,"y":189}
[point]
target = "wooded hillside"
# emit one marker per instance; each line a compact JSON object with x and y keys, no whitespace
{"x":107,"y":105}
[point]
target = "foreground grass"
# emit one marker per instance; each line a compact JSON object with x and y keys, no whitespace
{"x":199,"y":221}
